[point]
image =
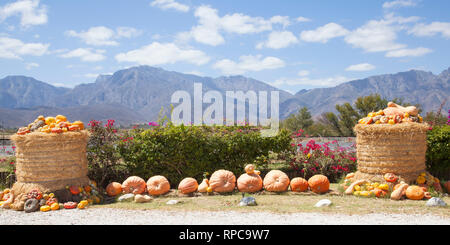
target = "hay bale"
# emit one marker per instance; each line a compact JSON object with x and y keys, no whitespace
{"x":384,"y":148}
{"x":50,"y":162}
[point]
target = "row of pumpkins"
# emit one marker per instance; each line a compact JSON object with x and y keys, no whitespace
{"x":222,"y":181}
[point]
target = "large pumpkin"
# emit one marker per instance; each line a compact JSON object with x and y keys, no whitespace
{"x":276,"y":181}
{"x":134,"y":184}
{"x":299,"y":184}
{"x":415,"y":192}
{"x":319,"y":184}
{"x":188,"y":185}
{"x":249,"y":183}
{"x":114,"y":189}
{"x":222,"y":181}
{"x":158,"y":185}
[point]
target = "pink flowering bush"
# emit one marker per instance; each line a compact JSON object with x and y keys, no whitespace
{"x":329,"y":159}
{"x":105,"y":163}
{"x":8,"y":165}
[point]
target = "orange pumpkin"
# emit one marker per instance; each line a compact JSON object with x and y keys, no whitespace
{"x":158,"y":185}
{"x":79,"y":123}
{"x":114,"y":189}
{"x":319,"y":184}
{"x":188,"y":185}
{"x":299,"y":184}
{"x":222,"y":181}
{"x":249,"y":183}
{"x":134,"y":184}
{"x":447,"y":186}
{"x":415,"y":192}
{"x":276,"y":181}
{"x":390,"y":177}
{"x":250,"y":168}
{"x":75,"y":190}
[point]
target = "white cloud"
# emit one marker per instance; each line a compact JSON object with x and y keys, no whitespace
{"x":103,"y":36}
{"x":324,"y":33}
{"x":11,"y":48}
{"x":170,"y":4}
{"x":163,"y":53}
{"x":432,"y":29}
{"x":399,"y":3}
{"x":408,"y":52}
{"x":361,"y":67}
{"x":248,"y":63}
{"x":30,"y":12}
{"x":91,"y":75}
{"x":375,"y":36}
{"x":30,"y":66}
{"x":319,"y":82}
{"x":278,"y":39}
{"x":283,"y":20}
{"x":85,"y":54}
{"x":211,"y":25}
{"x":303,"y":73}
{"x":303,"y":19}
{"x":127,"y":32}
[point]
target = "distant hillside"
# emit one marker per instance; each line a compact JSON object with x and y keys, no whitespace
{"x":137,"y":94}
{"x":415,"y":87}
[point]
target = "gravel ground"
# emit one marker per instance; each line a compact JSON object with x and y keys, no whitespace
{"x":107,"y":216}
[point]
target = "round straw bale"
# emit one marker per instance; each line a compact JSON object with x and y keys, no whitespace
{"x":384,"y":148}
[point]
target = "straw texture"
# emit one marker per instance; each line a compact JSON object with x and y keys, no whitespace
{"x":398,"y":149}
{"x":50,"y":162}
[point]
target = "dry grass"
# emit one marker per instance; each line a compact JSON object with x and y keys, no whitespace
{"x":289,"y":203}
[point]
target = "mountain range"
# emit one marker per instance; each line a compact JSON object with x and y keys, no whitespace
{"x":137,"y":94}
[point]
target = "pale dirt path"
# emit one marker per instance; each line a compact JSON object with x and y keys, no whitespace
{"x":108,"y":216}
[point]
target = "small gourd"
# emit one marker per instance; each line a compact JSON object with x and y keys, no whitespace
{"x":54,"y":206}
{"x":45,"y":208}
{"x":202,"y":188}
{"x":83,"y":204}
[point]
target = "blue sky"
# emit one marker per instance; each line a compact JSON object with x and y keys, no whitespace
{"x":290,"y":44}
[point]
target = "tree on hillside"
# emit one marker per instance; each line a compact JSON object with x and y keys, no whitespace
{"x":370,"y":103}
{"x":348,"y":117}
{"x":331,"y":121}
{"x":301,"y":120}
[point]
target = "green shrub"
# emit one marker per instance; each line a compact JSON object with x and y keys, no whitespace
{"x":177,"y":152}
{"x":438,"y":156}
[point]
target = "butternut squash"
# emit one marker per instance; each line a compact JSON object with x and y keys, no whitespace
{"x":400,"y":191}
{"x":349,"y":189}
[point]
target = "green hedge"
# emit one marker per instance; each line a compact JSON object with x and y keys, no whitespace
{"x":177,"y":152}
{"x":438,"y":152}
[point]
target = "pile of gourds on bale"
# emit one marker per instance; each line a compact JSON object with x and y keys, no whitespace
{"x":56,"y":125}
{"x":69,"y":198}
{"x":221,"y":181}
